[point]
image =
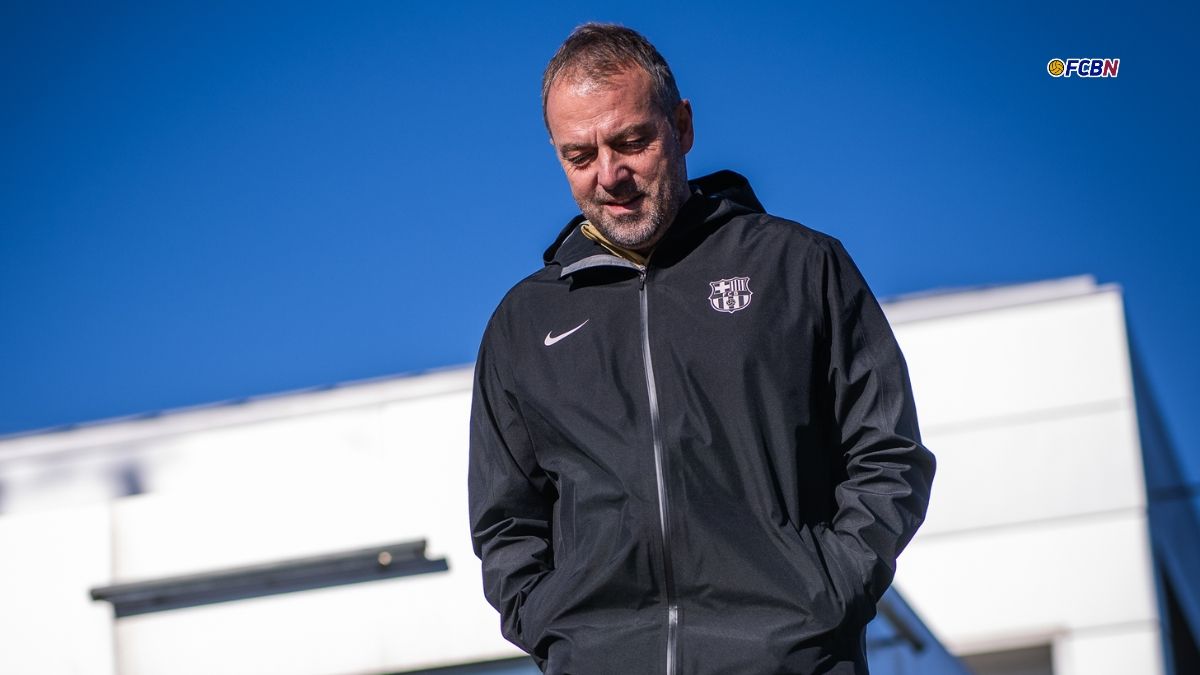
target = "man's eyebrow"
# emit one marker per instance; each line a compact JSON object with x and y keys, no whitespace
{"x":639,"y":129}
{"x":568,"y":148}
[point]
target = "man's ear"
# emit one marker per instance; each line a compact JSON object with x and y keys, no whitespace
{"x":685,"y":133}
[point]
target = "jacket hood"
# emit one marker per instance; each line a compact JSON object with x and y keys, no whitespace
{"x":715,"y":197}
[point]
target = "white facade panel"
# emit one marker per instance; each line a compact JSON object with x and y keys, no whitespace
{"x":1037,"y":529}
{"x":1005,"y":586}
{"x":293,"y":453}
{"x":266,"y":492}
{"x":377,"y":627}
{"x":1123,"y":650}
{"x":1035,"y":469}
{"x":48,"y":563}
{"x":1017,"y":361}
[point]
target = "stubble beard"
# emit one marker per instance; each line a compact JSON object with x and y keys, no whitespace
{"x":637,"y":231}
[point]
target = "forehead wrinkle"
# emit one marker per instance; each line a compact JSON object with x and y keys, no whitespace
{"x":587,"y":108}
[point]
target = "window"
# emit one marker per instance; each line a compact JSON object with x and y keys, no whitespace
{"x":1027,"y":661}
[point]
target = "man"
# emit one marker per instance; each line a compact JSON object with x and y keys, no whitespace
{"x":693,"y":442}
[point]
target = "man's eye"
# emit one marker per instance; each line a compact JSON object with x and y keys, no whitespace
{"x":634,"y":144}
{"x":579,"y":160}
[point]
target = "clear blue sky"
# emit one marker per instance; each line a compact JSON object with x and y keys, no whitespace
{"x":205,"y":202}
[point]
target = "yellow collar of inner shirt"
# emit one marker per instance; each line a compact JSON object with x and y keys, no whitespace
{"x":591,"y":232}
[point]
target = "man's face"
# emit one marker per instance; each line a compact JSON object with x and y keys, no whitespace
{"x":623,"y":157}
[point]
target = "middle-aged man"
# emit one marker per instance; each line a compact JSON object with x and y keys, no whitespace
{"x":693,"y":442}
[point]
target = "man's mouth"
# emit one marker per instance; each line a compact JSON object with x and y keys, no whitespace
{"x":627,"y":204}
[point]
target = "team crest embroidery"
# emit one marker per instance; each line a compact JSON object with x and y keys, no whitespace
{"x":730,"y":295}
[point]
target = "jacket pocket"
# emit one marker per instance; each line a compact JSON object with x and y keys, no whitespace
{"x":845,"y":572}
{"x":534,"y":609}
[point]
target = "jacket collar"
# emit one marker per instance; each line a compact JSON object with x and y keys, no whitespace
{"x":715,"y":198}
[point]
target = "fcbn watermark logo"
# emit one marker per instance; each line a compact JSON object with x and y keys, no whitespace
{"x":1083,"y":67}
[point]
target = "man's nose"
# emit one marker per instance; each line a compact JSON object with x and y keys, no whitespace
{"x":612,"y":170}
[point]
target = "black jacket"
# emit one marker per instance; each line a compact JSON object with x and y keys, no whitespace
{"x":708,"y":465}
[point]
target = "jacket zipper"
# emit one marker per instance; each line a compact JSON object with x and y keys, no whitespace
{"x":660,"y":477}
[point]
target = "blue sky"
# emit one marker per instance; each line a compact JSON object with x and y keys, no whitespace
{"x":206,"y":202}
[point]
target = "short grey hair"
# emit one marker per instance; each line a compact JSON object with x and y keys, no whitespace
{"x":599,"y":51}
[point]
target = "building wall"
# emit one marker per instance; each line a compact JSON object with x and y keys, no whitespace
{"x":1037,"y":533}
{"x":271,"y":481}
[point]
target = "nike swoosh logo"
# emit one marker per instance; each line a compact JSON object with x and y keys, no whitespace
{"x":551,"y":340}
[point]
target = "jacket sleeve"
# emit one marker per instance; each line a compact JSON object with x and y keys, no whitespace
{"x":888,"y":472}
{"x":510,"y":509}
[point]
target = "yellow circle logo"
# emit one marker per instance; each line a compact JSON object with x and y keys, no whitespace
{"x":1056,"y":67}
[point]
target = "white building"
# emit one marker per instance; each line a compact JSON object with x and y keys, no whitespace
{"x":226,"y":536}
{"x":1038,"y":543}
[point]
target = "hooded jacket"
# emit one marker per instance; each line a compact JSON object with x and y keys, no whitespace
{"x":705,"y":465}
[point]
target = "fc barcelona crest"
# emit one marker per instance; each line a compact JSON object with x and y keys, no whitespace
{"x":730,"y":295}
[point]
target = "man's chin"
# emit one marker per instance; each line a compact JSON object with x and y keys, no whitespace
{"x":632,"y":236}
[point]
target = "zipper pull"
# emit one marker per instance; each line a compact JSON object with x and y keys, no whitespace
{"x":642,"y":277}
